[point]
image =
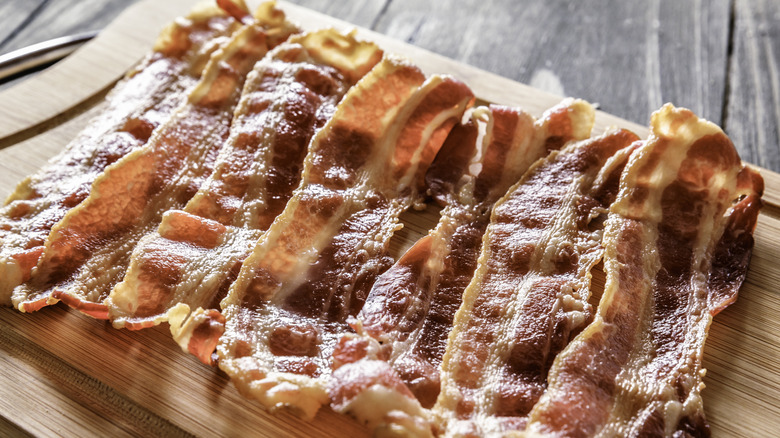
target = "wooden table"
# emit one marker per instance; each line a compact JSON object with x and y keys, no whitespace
{"x":721,"y":62}
{"x":720,"y":58}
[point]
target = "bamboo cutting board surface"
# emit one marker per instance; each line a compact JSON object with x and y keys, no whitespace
{"x":65,"y":374}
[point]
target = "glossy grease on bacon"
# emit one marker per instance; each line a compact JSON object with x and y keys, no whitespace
{"x":193,"y":258}
{"x":411,"y":306}
{"x":678,"y":240}
{"x":142,"y":101}
{"x":530,"y":291}
{"x":87,"y":252}
{"x":316,"y":263}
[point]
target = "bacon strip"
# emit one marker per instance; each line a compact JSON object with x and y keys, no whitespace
{"x":87,"y":252}
{"x":411,"y":307}
{"x":141,"y":102}
{"x":193,"y":258}
{"x":678,"y":241}
{"x":530,"y":292}
{"x":316,"y":263}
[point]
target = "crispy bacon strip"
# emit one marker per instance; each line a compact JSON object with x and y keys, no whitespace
{"x":316,"y":263}
{"x":678,"y":241}
{"x":237,"y":9}
{"x":411,"y":306}
{"x":88,"y":251}
{"x":194,"y":256}
{"x":141,"y":102}
{"x":530,"y":292}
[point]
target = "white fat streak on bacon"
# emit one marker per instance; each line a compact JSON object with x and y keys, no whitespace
{"x":530,"y":289}
{"x":410,"y":308}
{"x":88,"y":251}
{"x":142,"y":101}
{"x":685,"y":201}
{"x":289,"y":95}
{"x":294,"y":292}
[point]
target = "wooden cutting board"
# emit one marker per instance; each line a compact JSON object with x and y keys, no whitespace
{"x":65,"y":374}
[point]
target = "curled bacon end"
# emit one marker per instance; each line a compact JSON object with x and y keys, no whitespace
{"x":35,"y":305}
{"x":237,"y":9}
{"x":15,"y":270}
{"x":731,"y":257}
{"x":198,"y":332}
{"x":381,"y":315}
{"x":372,"y":386}
{"x":93,"y":309}
{"x":452,"y":161}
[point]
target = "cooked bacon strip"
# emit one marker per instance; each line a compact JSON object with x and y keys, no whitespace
{"x":237,"y":9}
{"x":143,"y":100}
{"x":475,"y":167}
{"x":678,"y":241}
{"x":530,"y":292}
{"x":316,"y":263}
{"x":193,"y":258}
{"x":411,"y":306}
{"x":88,"y":251}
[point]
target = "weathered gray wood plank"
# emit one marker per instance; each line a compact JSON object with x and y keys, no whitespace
{"x":361,"y":13}
{"x":753,"y":110}
{"x":630,"y":57}
{"x":56,"y":18}
{"x":693,"y":38}
{"x":15,"y":16}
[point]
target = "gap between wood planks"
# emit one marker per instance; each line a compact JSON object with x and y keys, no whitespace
{"x":34,"y":14}
{"x":724,"y":109}
{"x":382,"y":12}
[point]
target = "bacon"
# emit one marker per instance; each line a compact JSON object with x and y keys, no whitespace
{"x":465,"y":173}
{"x":678,"y":241}
{"x":237,"y":9}
{"x":411,"y":306}
{"x":142,"y":101}
{"x":530,"y":291}
{"x":316,"y":263}
{"x":193,"y":258}
{"x":87,"y":252}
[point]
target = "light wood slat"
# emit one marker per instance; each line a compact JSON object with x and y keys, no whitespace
{"x":771,"y":193}
{"x":742,"y":353}
{"x":30,"y":155}
{"x":55,"y":360}
{"x":154,"y":388}
{"x":90,"y":405}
